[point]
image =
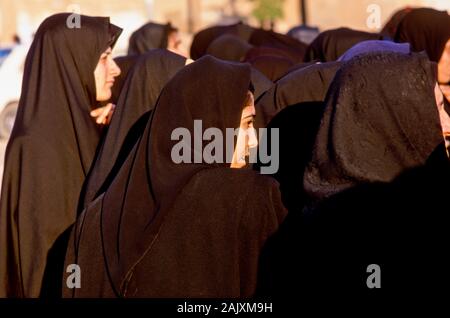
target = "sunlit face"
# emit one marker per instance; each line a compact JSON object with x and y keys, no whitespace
{"x":104,"y":74}
{"x":443,"y":115}
{"x":247,"y":135}
{"x":174,"y":43}
{"x":444,"y":65}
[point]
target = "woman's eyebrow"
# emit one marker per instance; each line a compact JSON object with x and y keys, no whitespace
{"x":249,"y":116}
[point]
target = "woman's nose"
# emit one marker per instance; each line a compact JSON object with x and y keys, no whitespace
{"x":252,"y":139}
{"x":115,"y":69}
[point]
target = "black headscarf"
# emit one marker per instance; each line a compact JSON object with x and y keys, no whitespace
{"x":257,"y":51}
{"x":260,"y":84}
{"x":331,"y":44}
{"x":205,"y":37}
{"x":183,"y":230}
{"x":229,"y":47}
{"x":309,"y":84}
{"x":392,"y":225}
{"x":390,"y":28}
{"x":51,"y":147}
{"x":297,"y":126}
{"x":125,"y":63}
{"x":149,"y":36}
{"x":144,"y":84}
{"x":273,"y":67}
{"x":290,"y":46}
{"x":371,"y":132}
{"x":426,"y":30}
{"x":375,"y":46}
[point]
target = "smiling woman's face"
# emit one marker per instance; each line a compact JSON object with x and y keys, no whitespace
{"x":104,"y":74}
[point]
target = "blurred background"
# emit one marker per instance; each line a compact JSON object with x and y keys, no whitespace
{"x":19,"y":19}
{"x":22,"y":17}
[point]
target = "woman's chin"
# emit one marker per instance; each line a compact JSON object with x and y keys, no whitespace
{"x":104,"y":96}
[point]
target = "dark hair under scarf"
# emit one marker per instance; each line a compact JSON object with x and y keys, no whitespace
{"x":371,"y":132}
{"x":427,"y":30}
{"x":331,"y":44}
{"x":51,"y":147}
{"x":149,"y":36}
{"x":144,"y":84}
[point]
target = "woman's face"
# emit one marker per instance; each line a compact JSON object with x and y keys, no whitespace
{"x":104,"y":74}
{"x":444,"y":65}
{"x":247,"y":135}
{"x":174,"y":43}
{"x":443,"y":115}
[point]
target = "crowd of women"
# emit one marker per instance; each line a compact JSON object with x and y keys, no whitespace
{"x":362,"y":178}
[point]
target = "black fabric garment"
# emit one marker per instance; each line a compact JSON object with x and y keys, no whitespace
{"x":371,"y":132}
{"x":258,"y":51}
{"x":260,"y":83}
{"x":331,"y":44}
{"x":397,"y":224}
{"x":390,"y":28}
{"x":375,"y":46}
{"x":229,"y":47}
{"x":290,"y":46}
{"x":400,"y":226}
{"x":205,"y":37}
{"x":272,"y":67}
{"x":181,"y":230}
{"x":149,"y":36}
{"x":51,"y":147}
{"x":299,"y":66}
{"x":125,"y":63}
{"x":297,"y":126}
{"x":426,"y":30}
{"x":309,"y":84}
{"x":152,"y":72}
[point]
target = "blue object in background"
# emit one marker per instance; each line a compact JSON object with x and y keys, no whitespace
{"x":4,"y":54}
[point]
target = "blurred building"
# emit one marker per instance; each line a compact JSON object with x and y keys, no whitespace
{"x":22,"y":17}
{"x":328,"y":14}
